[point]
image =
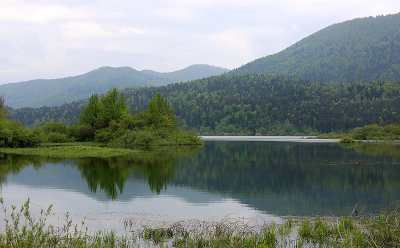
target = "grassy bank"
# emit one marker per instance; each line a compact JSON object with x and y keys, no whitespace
{"x":70,"y":150}
{"x":21,"y":229}
{"x":387,"y":134}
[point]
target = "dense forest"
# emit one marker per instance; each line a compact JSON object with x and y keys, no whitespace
{"x":363,"y":49}
{"x":256,"y":105}
{"x":38,"y":93}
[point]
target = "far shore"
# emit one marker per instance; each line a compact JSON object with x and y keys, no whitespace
{"x":295,"y":138}
{"x":309,"y":139}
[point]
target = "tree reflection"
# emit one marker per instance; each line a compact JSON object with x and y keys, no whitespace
{"x":275,"y":177}
{"x":296,"y":178}
{"x":375,"y":149}
{"x":110,"y":175}
{"x":13,"y":164}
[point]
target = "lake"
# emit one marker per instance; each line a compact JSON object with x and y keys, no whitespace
{"x":259,"y":180}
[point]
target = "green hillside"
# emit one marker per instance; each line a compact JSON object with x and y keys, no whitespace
{"x":53,"y":92}
{"x":363,"y":49}
{"x":256,"y":105}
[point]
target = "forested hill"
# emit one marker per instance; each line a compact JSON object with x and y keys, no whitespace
{"x":358,"y":50}
{"x":37,"y":93}
{"x":257,"y":104}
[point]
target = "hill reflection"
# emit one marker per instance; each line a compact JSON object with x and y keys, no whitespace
{"x":278,"y":178}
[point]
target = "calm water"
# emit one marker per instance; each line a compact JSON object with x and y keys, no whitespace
{"x":250,"y":179}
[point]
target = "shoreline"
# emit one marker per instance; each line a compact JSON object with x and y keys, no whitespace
{"x":304,"y":139}
{"x":294,"y":138}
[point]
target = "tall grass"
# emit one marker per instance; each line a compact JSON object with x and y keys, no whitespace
{"x":22,"y":229}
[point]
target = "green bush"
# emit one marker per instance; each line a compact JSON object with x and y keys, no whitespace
{"x":103,"y":136}
{"x":81,"y":132}
{"x":188,"y":138}
{"x":14,"y":134}
{"x":54,"y":137}
{"x":54,"y":127}
{"x":375,"y":132}
{"x":347,"y":140}
{"x":367,"y":132}
{"x":144,"y":138}
{"x":125,"y":141}
{"x":393,"y":130}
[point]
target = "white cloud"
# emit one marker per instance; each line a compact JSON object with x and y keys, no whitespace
{"x":77,"y":30}
{"x":51,"y":38}
{"x":30,"y":12}
{"x":180,"y":14}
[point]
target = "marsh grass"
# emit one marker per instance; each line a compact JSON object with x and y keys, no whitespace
{"x":22,"y":229}
{"x":71,"y":151}
{"x":367,"y":231}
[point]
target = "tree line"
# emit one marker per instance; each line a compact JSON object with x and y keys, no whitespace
{"x":254,"y":104}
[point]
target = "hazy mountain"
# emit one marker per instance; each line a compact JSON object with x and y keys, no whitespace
{"x":52,"y":92}
{"x":189,"y":73}
{"x":363,"y":49}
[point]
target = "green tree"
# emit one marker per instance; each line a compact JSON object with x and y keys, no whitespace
{"x":14,"y":134}
{"x":89,"y":114}
{"x":3,"y":109}
{"x":112,"y":107}
{"x":160,"y":112}
{"x":99,"y":113}
{"x":55,"y":127}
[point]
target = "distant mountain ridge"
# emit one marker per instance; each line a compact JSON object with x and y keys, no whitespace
{"x":362,"y":49}
{"x":54,"y":92}
{"x":189,"y":73}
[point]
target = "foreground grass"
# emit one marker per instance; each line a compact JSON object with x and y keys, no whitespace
{"x":21,"y":229}
{"x":70,"y":151}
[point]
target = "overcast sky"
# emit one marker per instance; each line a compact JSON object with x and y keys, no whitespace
{"x":51,"y":39}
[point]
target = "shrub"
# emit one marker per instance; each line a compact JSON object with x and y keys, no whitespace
{"x":14,"y":134}
{"x":188,"y":138}
{"x":54,"y":127}
{"x":347,"y":140}
{"x":144,"y":138}
{"x":393,"y":130}
{"x":125,"y":141}
{"x":81,"y":132}
{"x":103,"y":135}
{"x":54,"y":137}
{"x":366,"y":132}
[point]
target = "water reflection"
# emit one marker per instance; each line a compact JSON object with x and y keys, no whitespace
{"x":295,"y":178}
{"x":375,"y":149}
{"x":111,"y":174}
{"x":272,"y":177}
{"x":108,"y":175}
